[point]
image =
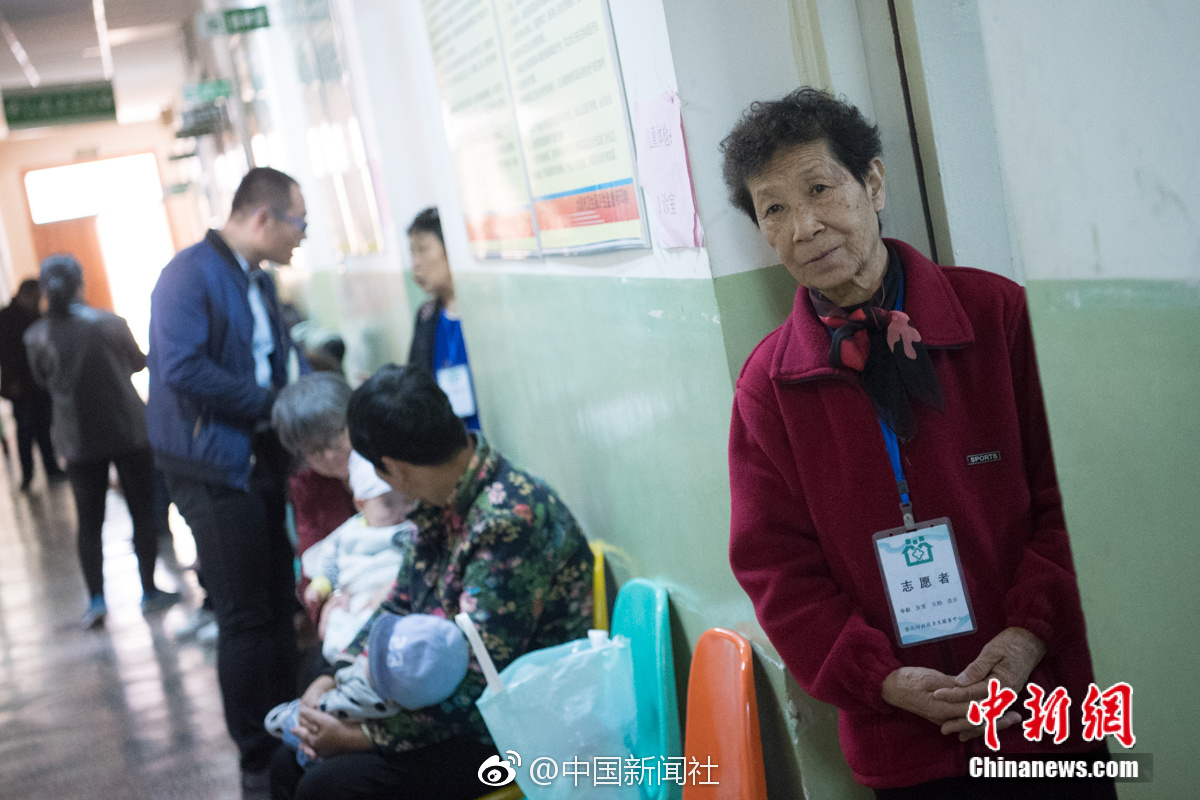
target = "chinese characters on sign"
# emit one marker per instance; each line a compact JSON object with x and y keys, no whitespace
{"x":924,"y":584}
{"x":231,"y":21}
{"x":59,"y":105}
{"x":1107,"y":712}
{"x":570,"y":108}
{"x":536,"y":121}
{"x":480,"y":128}
{"x":664,"y":171}
{"x":240,"y":20}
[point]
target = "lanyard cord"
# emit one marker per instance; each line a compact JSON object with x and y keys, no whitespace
{"x":893,"y":444}
{"x":446,"y":329}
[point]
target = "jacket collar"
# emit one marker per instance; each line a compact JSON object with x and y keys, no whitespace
{"x":218,"y":243}
{"x":480,"y":473}
{"x":929,"y":301}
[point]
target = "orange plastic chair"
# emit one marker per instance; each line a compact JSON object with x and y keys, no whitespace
{"x":722,"y":720}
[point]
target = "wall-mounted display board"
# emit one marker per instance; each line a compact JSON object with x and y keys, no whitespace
{"x":480,"y":127}
{"x":538,"y":126}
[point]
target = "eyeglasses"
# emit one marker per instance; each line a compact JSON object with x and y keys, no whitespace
{"x":299,"y":222}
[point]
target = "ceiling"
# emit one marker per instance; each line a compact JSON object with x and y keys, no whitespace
{"x":59,"y":37}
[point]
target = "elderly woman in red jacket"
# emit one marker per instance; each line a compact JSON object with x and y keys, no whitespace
{"x":896,"y":515}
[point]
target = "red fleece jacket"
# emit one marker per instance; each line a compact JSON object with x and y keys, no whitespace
{"x":811,"y":483}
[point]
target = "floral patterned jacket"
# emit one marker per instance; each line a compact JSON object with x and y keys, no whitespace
{"x":508,"y":552}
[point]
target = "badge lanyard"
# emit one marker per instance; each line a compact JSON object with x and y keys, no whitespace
{"x":893,"y":444}
{"x":919,"y":564}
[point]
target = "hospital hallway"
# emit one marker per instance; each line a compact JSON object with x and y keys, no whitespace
{"x":120,"y":711}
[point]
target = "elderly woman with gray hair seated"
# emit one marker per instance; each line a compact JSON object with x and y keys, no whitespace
{"x":310,"y":419}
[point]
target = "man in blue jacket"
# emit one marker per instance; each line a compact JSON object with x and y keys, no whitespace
{"x":218,"y":355}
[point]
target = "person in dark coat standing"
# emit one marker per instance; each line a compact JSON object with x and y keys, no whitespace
{"x":219,"y":353}
{"x":84,"y":357}
{"x":31,"y":403}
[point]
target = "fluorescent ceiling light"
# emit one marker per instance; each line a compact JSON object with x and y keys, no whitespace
{"x":18,"y":51}
{"x":102,"y":37}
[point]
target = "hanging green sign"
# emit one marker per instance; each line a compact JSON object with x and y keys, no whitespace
{"x":239,"y":20}
{"x":207,"y":91}
{"x":59,"y":105}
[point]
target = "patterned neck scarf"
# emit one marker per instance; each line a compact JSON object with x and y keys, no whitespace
{"x":876,"y":341}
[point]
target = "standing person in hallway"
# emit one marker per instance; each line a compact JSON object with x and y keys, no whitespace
{"x":84,"y":357}
{"x":897,"y":395}
{"x":218,"y":356}
{"x":31,"y":404}
{"x":437,"y":344}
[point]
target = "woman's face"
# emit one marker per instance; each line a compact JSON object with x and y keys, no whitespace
{"x":333,"y":459}
{"x":431,"y":268}
{"x":822,"y":222}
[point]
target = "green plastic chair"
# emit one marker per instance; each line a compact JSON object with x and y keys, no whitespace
{"x":641,"y":615}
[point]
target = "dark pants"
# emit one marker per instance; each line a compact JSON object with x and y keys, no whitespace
{"x":1011,"y":788}
{"x":31,"y":412}
{"x":445,"y":771}
{"x":89,"y":480}
{"x":243,"y":545}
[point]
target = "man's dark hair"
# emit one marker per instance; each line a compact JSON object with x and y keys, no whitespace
{"x":401,"y":412}
{"x":60,"y":280}
{"x":806,"y":115}
{"x":29,"y":286}
{"x":264,"y":186}
{"x":427,"y":221}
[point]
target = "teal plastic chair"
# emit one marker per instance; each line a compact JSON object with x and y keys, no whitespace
{"x":641,"y":615}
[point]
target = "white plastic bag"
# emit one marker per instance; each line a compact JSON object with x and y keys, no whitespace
{"x":565,"y":717}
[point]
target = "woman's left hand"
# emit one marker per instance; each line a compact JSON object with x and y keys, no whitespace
{"x":1009,"y":658}
{"x":322,"y":735}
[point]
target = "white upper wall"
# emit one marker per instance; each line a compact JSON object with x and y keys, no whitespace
{"x":727,"y":55}
{"x":1096,"y":109}
{"x":949,"y":75}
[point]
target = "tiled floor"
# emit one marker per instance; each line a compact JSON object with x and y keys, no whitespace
{"x":125,"y":711}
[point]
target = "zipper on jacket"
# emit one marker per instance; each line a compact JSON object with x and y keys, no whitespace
{"x":199,"y":425}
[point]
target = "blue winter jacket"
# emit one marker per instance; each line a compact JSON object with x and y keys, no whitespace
{"x":204,"y":401}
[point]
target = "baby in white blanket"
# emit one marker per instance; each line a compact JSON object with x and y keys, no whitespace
{"x":352,"y":569}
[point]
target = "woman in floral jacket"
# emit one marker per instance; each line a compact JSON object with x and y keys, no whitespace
{"x":492,"y":541}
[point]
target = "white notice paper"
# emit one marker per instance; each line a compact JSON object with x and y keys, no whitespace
{"x":664,"y":172}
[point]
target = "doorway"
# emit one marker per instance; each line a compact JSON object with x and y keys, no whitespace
{"x":110,"y":215}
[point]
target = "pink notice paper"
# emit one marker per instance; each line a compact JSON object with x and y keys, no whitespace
{"x":663,"y":170}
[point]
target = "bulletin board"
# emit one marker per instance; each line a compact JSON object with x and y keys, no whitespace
{"x":538,"y":126}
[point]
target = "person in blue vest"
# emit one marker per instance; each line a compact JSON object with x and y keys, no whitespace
{"x":218,"y":355}
{"x":437,"y":343}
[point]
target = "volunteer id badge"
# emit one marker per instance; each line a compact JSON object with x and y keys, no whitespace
{"x":923,"y":579}
{"x":456,"y":383}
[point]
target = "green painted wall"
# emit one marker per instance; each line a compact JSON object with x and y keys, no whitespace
{"x":752,"y":305}
{"x":800,"y":744}
{"x":1121,"y":376}
{"x":616,"y":391}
